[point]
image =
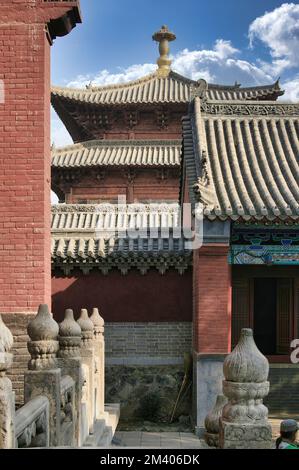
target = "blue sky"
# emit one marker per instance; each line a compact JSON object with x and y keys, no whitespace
{"x":251,"y":41}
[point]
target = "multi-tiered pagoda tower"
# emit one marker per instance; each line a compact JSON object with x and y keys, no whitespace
{"x":239,"y":161}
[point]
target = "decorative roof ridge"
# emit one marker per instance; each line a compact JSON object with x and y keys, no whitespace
{"x":253,"y":102}
{"x":239,"y":87}
{"x":106,"y":207}
{"x":114,"y":86}
{"x":203,"y":188}
{"x":108,"y":234}
{"x":247,"y":109}
{"x":117,"y":143}
{"x":172,"y":74}
{"x":217,"y":86}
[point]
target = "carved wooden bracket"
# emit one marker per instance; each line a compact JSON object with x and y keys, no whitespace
{"x":129,"y":174}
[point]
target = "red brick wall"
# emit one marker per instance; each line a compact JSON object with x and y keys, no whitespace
{"x":25,"y":275}
{"x":211,"y":300}
{"x":129,"y":298}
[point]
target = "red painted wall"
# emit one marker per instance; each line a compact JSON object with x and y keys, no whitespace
{"x":132,"y":297}
{"x":147,"y":185}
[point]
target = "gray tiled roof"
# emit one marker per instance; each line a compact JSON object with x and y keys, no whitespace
{"x":244,"y":166}
{"x":85,"y":219}
{"x":95,"y":248}
{"x":156,"y":89}
{"x":98,"y":236}
{"x":118,"y":153}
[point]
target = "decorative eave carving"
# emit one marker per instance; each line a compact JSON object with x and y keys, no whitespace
{"x":249,"y":109}
{"x":142,"y":263}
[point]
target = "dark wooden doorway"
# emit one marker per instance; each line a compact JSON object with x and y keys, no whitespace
{"x":268,"y":302}
{"x":264,"y":314}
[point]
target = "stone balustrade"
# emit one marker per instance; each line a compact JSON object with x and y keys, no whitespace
{"x":7,"y":404}
{"x":67,"y":411}
{"x":63,"y":386}
{"x":32,"y":424}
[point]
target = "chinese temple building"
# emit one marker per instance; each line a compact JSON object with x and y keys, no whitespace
{"x":156,"y":144}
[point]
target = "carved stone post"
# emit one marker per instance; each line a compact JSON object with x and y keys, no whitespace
{"x":87,"y":358}
{"x":212,"y":422}
{"x":44,"y":376}
{"x":70,"y":363}
{"x":7,"y":402}
{"x":99,"y":345}
{"x":244,"y":422}
{"x":69,"y":337}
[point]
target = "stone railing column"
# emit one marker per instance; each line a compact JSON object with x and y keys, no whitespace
{"x":99,"y":346}
{"x":87,"y":359}
{"x":70,"y":363}
{"x":44,"y":376}
{"x":244,"y":422}
{"x":7,"y":402}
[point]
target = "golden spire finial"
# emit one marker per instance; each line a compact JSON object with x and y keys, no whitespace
{"x":163,"y":37}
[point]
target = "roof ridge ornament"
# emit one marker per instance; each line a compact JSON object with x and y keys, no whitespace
{"x":163,"y":37}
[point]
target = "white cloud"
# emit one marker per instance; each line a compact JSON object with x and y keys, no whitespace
{"x":291,"y":88}
{"x":219,"y":65}
{"x":104,"y":77}
{"x":279,"y":31}
{"x":59,"y":134}
{"x":54,"y":198}
{"x":214,"y":65}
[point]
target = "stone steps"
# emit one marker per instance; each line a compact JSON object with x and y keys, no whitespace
{"x":104,"y":429}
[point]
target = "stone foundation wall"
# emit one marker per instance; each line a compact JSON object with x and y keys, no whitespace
{"x":145,"y":360}
{"x":131,"y":340}
{"x":132,"y":387}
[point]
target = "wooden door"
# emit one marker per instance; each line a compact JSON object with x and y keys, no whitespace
{"x":240,"y":308}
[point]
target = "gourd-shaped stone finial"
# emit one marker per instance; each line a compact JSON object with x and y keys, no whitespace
{"x":86,"y":326}
{"x":6,"y":343}
{"x":163,"y":37}
{"x":212,"y":424}
{"x":244,"y":422}
{"x":98,"y":322}
{"x":246,"y":363}
{"x":69,"y":336}
{"x":43,"y":347}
